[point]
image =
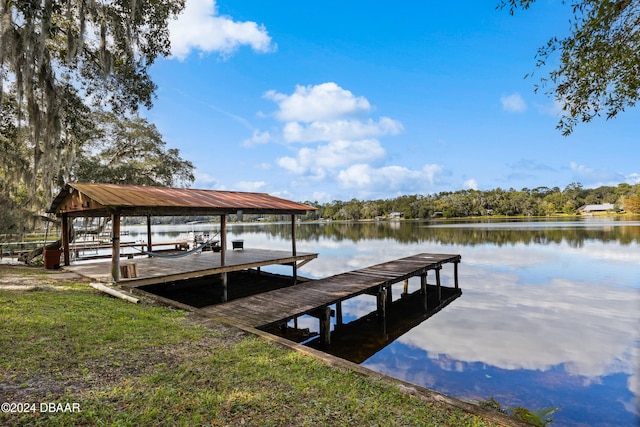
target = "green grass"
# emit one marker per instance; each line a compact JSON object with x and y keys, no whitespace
{"x":127,"y":364}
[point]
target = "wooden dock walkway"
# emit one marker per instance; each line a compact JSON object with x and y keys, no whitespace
{"x":315,"y":297}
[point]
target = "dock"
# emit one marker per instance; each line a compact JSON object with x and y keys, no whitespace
{"x":320,"y":298}
{"x":316,"y":297}
{"x":164,"y":270}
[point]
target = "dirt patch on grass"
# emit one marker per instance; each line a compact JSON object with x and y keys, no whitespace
{"x":13,"y":277}
{"x":98,"y":374}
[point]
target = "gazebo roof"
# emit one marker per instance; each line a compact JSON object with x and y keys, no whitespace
{"x":79,"y":199}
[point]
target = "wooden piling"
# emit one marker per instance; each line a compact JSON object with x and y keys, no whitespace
{"x":293,"y":249}
{"x":423,"y":288}
{"x":65,"y":240}
{"x":115,"y":247}
{"x":324,"y":315}
{"x":382,"y":303}
{"x":223,"y":254}
{"x":455,"y":274}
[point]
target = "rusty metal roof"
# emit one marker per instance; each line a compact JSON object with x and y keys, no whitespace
{"x":78,"y":199}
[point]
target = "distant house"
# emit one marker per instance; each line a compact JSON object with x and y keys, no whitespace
{"x":395,"y":215}
{"x":605,"y":207}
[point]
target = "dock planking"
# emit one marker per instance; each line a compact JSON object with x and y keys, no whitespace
{"x":165,"y":270}
{"x":281,"y":305}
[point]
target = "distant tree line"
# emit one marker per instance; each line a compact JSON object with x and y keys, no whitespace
{"x":408,"y":232}
{"x":539,"y":201}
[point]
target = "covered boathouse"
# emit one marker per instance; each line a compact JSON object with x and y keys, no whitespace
{"x":116,"y":201}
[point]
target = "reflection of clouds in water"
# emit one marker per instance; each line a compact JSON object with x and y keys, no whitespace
{"x":588,"y":327}
{"x":307,"y":322}
{"x":503,"y":320}
{"x":601,"y":252}
{"x":511,"y":259}
{"x":634,"y":380}
{"x":369,"y":252}
{"x":521,"y":308}
{"x":542,"y":254}
{"x":323,"y":267}
{"x":360,"y":306}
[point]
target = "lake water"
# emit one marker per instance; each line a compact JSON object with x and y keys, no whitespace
{"x":549,"y":314}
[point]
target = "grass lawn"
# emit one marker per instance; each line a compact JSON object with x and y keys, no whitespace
{"x":125,"y":364}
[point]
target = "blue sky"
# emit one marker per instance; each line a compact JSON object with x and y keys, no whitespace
{"x":335,"y":100}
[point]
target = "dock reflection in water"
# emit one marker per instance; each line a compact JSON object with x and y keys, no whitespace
{"x":360,"y":339}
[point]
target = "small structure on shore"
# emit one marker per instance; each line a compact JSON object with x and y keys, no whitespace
{"x":604,"y":207}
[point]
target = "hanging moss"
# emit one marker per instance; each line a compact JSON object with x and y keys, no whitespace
{"x":60,"y":59}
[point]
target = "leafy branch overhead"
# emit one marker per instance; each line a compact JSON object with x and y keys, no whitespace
{"x":599,"y":66}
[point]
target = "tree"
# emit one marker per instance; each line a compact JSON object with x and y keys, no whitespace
{"x":60,"y":57}
{"x":26,"y":165}
{"x":632,"y":204}
{"x":575,"y":192}
{"x":547,"y":208}
{"x":599,"y":69}
{"x":130,"y":151}
{"x":370,"y":209}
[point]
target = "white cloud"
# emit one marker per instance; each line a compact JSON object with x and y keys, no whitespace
{"x":199,"y":27}
{"x":340,"y":129}
{"x":580,"y":169}
{"x":326,"y":101}
{"x":257,"y":138}
{"x":471,"y":184}
{"x":513,"y":103}
{"x":206,"y":181}
{"x":555,"y":109}
{"x":333,"y":155}
{"x":265,"y":166}
{"x":633,"y":178}
{"x":592,"y":178}
{"x":250,"y":185}
{"x":325,"y":113}
{"x":321,"y":196}
{"x":292,"y":165}
{"x":389,"y":178}
{"x":344,"y":143}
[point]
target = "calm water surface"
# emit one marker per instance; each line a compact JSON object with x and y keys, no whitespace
{"x":549,"y":315}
